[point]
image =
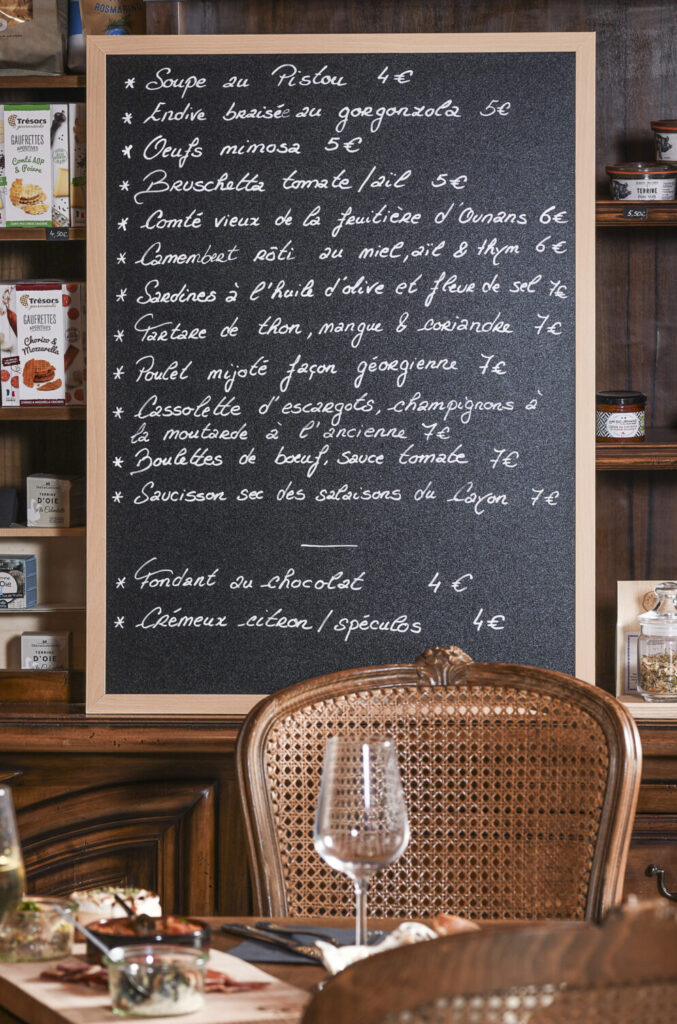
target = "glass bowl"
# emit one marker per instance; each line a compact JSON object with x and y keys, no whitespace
{"x":36,"y":931}
{"x":156,"y":981}
{"x":172,"y":931}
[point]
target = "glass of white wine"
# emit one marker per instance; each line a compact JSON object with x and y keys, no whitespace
{"x":12,"y":876}
{"x":361,"y":823}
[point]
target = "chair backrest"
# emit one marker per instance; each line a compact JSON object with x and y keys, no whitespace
{"x":624,"y":972}
{"x":521,"y":785}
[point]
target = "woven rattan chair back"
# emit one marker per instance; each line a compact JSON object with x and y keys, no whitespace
{"x":521,"y":786}
{"x":624,"y":972}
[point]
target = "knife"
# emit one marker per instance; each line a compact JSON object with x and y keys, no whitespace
{"x":248,"y":931}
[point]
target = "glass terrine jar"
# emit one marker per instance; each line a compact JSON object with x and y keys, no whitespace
{"x":657,"y":647}
{"x":620,"y":417}
{"x":642,"y":182}
{"x":156,"y":981}
{"x":665,"y":139}
{"x":37,"y":931}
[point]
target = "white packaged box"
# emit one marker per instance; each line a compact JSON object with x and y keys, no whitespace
{"x":3,"y":173}
{"x":75,"y":358}
{"x":59,"y":140}
{"x":54,"y":500}
{"x":77,"y":126}
{"x":45,"y":651}
{"x":42,"y":343}
{"x":18,"y":581}
{"x":28,"y":164}
{"x":9,"y":346}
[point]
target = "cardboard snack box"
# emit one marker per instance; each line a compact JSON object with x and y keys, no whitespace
{"x":42,"y":343}
{"x":45,"y":651}
{"x":55,"y":500}
{"x":28,"y":165}
{"x":77,"y":134}
{"x":18,"y":581}
{"x":9,"y":347}
{"x":75,"y":321}
{"x":3,"y":173}
{"x":60,"y":147}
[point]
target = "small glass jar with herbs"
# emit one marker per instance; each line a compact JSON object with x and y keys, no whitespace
{"x":657,"y":647}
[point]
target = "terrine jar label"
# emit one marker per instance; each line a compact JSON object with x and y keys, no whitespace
{"x":665,"y":139}
{"x":642,"y":182}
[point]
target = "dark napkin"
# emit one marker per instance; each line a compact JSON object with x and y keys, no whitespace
{"x":262,"y":952}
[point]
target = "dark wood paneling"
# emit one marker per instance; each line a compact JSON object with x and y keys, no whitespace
{"x":156,"y":804}
{"x":156,"y":834}
{"x":636,"y":539}
{"x":37,"y":447}
{"x":149,"y":804}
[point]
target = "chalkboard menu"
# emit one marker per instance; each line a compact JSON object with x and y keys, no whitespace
{"x":340,"y":359}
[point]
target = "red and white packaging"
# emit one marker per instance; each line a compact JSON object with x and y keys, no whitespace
{"x":9,"y":347}
{"x":42,"y":343}
{"x":73,"y":297}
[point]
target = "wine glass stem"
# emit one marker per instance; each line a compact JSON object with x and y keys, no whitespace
{"x":361,"y":885}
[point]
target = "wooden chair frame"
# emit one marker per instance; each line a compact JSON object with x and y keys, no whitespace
{"x":442,"y":667}
{"x":632,"y":948}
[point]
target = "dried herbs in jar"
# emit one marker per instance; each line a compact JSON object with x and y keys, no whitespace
{"x":657,"y":647}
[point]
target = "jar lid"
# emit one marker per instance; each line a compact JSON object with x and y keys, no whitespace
{"x":620,"y":397}
{"x":662,"y":619}
{"x":668,"y":124}
{"x":641,"y":170}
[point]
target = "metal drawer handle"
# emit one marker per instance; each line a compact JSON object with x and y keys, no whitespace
{"x":653,"y":869}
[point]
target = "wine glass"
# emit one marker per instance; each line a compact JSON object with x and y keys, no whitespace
{"x":12,"y":878}
{"x":361,"y":823}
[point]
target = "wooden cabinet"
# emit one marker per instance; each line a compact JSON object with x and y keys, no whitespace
{"x":156,"y":803}
{"x":49,"y":439}
{"x":637,"y":302}
{"x":146,"y":804}
{"x":654,"y":839}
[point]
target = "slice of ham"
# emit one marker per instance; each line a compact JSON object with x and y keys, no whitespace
{"x":217,"y":981}
{"x":76,"y":972}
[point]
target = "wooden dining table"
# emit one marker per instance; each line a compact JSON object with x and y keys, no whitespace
{"x":18,"y":1007}
{"x":305,"y":976}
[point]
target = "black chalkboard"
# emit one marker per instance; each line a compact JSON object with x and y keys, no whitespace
{"x":340,"y":363}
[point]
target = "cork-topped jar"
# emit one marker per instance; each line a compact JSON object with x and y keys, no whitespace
{"x":657,"y":646}
{"x":620,"y":417}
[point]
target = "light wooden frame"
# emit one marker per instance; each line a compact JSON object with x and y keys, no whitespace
{"x":582,"y":44}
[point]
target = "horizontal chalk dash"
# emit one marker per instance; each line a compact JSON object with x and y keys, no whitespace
{"x":329,"y":545}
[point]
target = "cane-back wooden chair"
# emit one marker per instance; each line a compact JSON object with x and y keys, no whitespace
{"x":622,"y":972}
{"x":521,"y":785}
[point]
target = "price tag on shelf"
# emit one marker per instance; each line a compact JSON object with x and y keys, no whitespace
{"x":57,"y":234}
{"x":635,"y":213}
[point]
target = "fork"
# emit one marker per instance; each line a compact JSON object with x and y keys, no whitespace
{"x":247,"y":931}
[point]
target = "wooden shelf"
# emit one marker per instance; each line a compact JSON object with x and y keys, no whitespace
{"x":657,"y":451}
{"x":621,"y":213}
{"x":38,"y":235}
{"x":44,"y":412}
{"x":25,"y":686}
{"x":646,"y":711}
{"x":42,"y":82}
{"x":39,"y":609}
{"x":44,"y":531}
